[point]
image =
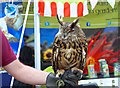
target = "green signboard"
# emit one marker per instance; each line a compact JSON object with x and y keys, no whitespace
{"x":103,"y":15}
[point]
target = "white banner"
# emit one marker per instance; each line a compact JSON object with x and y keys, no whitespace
{"x":111,"y":2}
{"x":93,"y":3}
{"x":85,"y":11}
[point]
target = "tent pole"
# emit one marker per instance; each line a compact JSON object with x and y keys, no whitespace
{"x":37,"y":37}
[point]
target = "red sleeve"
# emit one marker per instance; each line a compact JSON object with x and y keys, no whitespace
{"x":7,"y":53}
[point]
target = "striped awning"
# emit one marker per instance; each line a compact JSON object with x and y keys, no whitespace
{"x":65,"y":9}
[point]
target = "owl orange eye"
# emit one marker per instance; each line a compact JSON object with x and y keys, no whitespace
{"x":71,"y":30}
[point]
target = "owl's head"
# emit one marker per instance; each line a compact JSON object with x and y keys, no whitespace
{"x":67,"y":28}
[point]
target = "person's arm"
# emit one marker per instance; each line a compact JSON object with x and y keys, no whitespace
{"x":22,"y":72}
{"x":26,"y":74}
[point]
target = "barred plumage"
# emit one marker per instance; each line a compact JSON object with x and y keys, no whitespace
{"x":69,"y":47}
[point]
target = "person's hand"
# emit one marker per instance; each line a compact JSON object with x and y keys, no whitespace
{"x":54,"y":82}
{"x":68,"y":80}
{"x":71,"y":78}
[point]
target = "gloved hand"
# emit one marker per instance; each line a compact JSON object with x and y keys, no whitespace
{"x":68,"y":80}
{"x":71,"y":78}
{"x":54,"y":82}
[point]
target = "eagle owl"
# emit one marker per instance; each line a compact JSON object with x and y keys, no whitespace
{"x":69,"y":47}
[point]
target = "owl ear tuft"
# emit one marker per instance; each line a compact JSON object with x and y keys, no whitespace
{"x":73,"y":24}
{"x":60,"y":20}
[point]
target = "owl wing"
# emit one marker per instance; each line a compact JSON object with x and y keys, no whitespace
{"x":84,"y":47}
{"x":55,"y":53}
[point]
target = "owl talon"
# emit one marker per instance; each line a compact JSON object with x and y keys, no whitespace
{"x":60,"y":73}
